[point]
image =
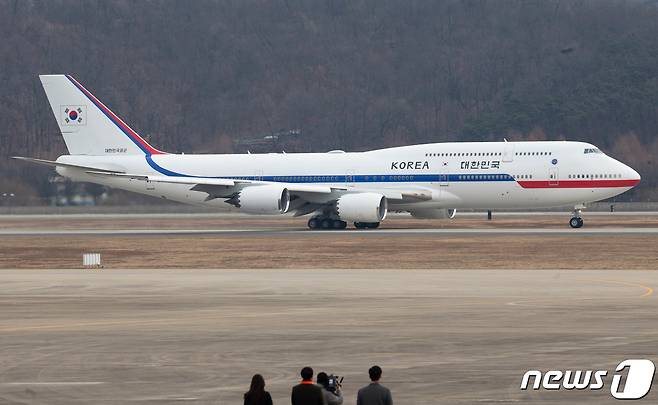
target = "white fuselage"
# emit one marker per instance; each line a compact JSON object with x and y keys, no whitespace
{"x":457,"y":175}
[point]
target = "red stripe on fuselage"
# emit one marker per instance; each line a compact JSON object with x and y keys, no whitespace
{"x":126,"y":129}
{"x":578,"y":183}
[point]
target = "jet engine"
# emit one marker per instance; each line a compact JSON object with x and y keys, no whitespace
{"x":362,"y":207}
{"x":266,"y":200}
{"x":434,"y":213}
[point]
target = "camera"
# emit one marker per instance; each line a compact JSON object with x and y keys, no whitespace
{"x":333,"y":383}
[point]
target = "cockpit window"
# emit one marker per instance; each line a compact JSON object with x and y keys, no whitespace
{"x":592,"y":150}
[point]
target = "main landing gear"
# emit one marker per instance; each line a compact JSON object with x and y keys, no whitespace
{"x":326,"y":223}
{"x":576,"y":221}
{"x":366,"y":225}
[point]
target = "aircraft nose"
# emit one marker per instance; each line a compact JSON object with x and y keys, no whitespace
{"x":636,"y":175}
{"x":632,"y":175}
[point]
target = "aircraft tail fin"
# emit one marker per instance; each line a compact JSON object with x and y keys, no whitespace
{"x":87,"y":125}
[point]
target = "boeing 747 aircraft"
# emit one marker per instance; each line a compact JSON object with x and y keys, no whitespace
{"x":428,"y":181}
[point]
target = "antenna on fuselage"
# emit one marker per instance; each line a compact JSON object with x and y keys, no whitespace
{"x":505,"y":139}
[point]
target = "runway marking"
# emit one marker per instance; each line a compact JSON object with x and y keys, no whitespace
{"x":169,"y":399}
{"x":55,"y":383}
{"x":140,"y":322}
{"x":647,"y":293}
{"x":85,"y":324}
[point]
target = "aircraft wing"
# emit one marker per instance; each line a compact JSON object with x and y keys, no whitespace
{"x":220,"y":187}
{"x":225,"y":187}
{"x":212,"y":184}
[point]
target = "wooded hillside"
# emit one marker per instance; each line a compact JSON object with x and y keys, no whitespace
{"x":197,"y":76}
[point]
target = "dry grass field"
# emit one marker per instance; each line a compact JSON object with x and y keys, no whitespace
{"x":299,"y":249}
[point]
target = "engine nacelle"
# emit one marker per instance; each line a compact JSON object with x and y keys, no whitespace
{"x":265,"y":200}
{"x":434,"y":213}
{"x":362,"y":207}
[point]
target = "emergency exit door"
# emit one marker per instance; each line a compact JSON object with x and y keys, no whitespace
{"x":553,"y":179}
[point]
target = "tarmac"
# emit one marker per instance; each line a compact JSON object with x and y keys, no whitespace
{"x":333,"y":232}
{"x":197,"y":336}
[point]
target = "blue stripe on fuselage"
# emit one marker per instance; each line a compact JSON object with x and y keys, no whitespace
{"x":360,"y":178}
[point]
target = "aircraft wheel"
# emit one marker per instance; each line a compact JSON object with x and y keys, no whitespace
{"x":575,"y":222}
{"x":326,"y":223}
{"x":373,"y":225}
{"x":313,"y":223}
{"x":580,"y":222}
{"x":360,"y":225}
{"x":338,"y":224}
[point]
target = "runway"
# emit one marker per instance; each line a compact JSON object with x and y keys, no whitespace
{"x":197,"y":336}
{"x":303,"y":231}
{"x":608,"y":241}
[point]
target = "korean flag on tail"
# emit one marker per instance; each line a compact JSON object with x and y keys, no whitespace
{"x":73,"y":115}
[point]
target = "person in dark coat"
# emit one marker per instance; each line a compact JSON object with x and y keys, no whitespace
{"x":307,"y":393}
{"x":374,"y":393}
{"x":257,"y":394}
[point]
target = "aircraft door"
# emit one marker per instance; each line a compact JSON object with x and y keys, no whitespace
{"x":349,"y":178}
{"x":553,"y":178}
{"x":443,"y":180}
{"x":258,"y":175}
{"x":508,"y":152}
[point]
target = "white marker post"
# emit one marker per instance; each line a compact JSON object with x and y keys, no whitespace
{"x":91,"y":260}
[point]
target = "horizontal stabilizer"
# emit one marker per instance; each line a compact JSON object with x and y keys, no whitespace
{"x":60,"y":164}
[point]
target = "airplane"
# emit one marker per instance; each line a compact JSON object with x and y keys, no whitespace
{"x":427,"y":180}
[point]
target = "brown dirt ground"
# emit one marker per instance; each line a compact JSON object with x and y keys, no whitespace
{"x":256,"y":222}
{"x":339,"y":250}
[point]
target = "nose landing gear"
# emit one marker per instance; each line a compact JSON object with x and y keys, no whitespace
{"x":576,"y":222}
